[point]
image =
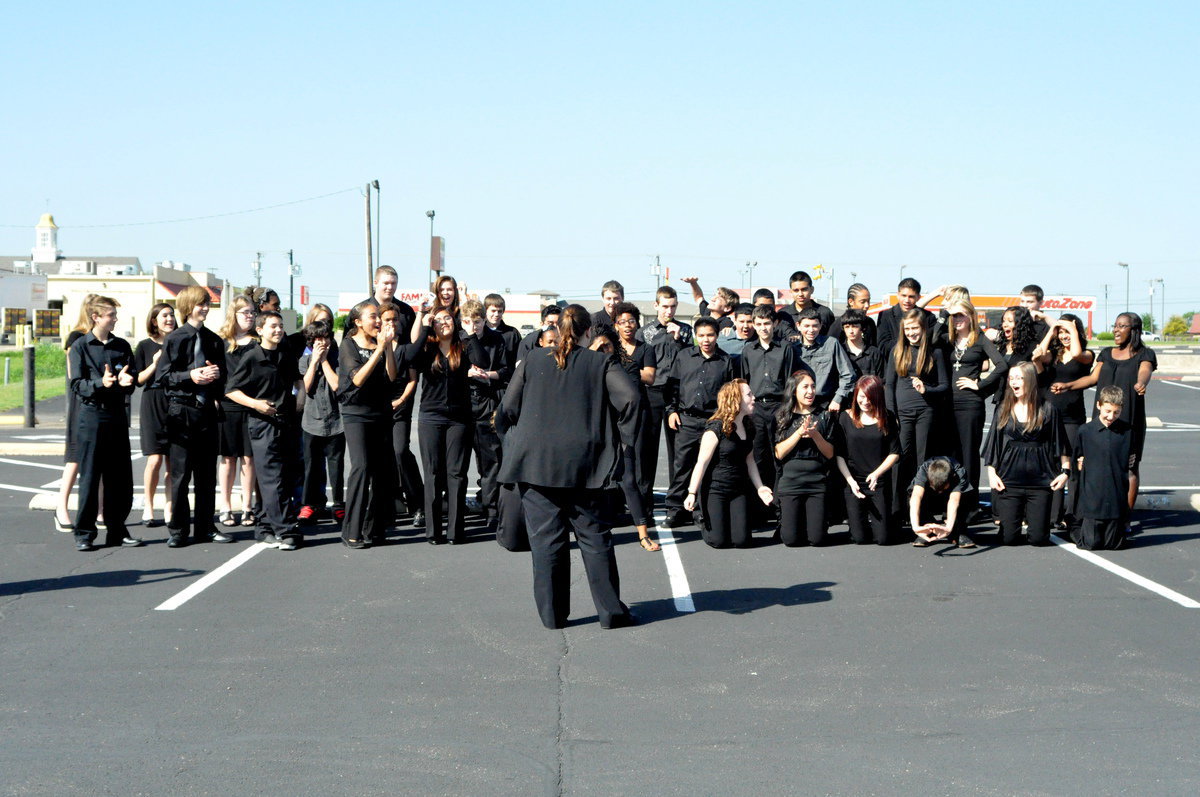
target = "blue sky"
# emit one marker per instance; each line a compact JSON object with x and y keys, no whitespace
{"x":563,"y":144}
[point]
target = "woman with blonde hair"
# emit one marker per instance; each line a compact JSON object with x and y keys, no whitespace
{"x":62,"y":514}
{"x":1027,"y":457}
{"x":233,"y":443}
{"x":728,"y":444}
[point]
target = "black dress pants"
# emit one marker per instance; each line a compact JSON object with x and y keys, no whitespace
{"x":764,"y":440}
{"x":687,"y":449}
{"x":324,"y":465}
{"x":552,"y":513}
{"x":870,"y":518}
{"x":192,"y":435}
{"x":916,"y":425}
{"x":412,"y":489}
{"x":445,"y":455}
{"x":1028,"y":504}
{"x":655,"y":427}
{"x":102,"y":446}
{"x":802,"y":519}
{"x":372,"y":481}
{"x":271,"y":446}
{"x":728,"y":519}
{"x":486,"y":445}
{"x":968,"y":440}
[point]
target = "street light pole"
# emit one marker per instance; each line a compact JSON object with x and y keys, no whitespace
{"x":293,"y":272}
{"x":1106,"y":287}
{"x":430,"y":214}
{"x":1162,"y":291}
{"x":1126,"y":267}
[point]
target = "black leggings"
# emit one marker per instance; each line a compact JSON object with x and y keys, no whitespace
{"x":801,"y":519}
{"x":629,"y":486}
{"x":727,"y":521}
{"x":1062,"y":502}
{"x":870,"y":518}
{"x":1031,"y":504}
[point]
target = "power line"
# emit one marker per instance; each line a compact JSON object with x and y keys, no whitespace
{"x":196,"y":218}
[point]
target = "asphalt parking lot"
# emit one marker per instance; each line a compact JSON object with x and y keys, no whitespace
{"x":413,"y":669}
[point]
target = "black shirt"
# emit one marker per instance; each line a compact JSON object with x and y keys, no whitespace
{"x":489,"y":351}
{"x":268,"y":374}
{"x":692,"y":389}
{"x":1069,"y":402}
{"x":1124,"y":374}
{"x":724,"y":322}
{"x":88,"y":357}
{"x":901,"y":395}
{"x":868,"y":362}
{"x":870,"y":330}
{"x":633,"y":363}
{"x":1104,"y":481}
{"x":603,"y":324}
{"x":804,"y":469}
{"x":179,"y":357}
{"x":824,"y":312}
{"x":408,"y":317}
{"x":232,"y":359}
{"x":766,"y":370}
{"x":143,"y":355}
{"x":1027,"y":459}
{"x":958,"y":482}
{"x":866,"y":448}
{"x":666,"y":347}
{"x":728,"y":472}
{"x":445,"y":391}
{"x":512,"y":342}
{"x":968,"y":362}
{"x":371,"y":401}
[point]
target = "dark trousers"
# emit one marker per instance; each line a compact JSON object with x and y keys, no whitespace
{"x":445,"y":454}
{"x":486,"y":445}
{"x":552,"y":514}
{"x":1100,"y":534}
{"x":870,"y":518}
{"x":372,"y":479}
{"x":915,"y":427}
{"x":511,"y":533}
{"x":764,"y":436}
{"x":271,"y":446}
{"x":655,"y":427}
{"x":324,"y":458}
{"x":630,"y":487}
{"x":968,"y":440}
{"x":1028,"y":504}
{"x":687,"y":448}
{"x":192,"y":436}
{"x":412,"y":489}
{"x":1062,"y":502}
{"x":102,"y":446}
{"x":802,"y":519}
{"x":728,"y":519}
{"x":938,"y":504}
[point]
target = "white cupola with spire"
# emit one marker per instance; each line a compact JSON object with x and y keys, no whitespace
{"x":45,"y":249}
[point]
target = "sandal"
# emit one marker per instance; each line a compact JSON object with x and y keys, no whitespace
{"x":248,"y":519}
{"x":920,"y":542}
{"x":226,"y":518}
{"x":649,"y":544}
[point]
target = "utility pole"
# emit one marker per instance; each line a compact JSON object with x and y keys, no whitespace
{"x":1152,"y":307}
{"x":370,"y":259}
{"x":1162,"y":324}
{"x":656,"y":270}
{"x":293,"y":272}
{"x":1106,"y":321}
{"x":750,"y":270}
{"x":378,"y":225}
{"x":431,"y":214}
{"x":256,"y":267}
{"x":1126,"y":267}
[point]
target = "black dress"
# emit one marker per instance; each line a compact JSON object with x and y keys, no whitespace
{"x":1026,"y":462}
{"x":234,"y":440}
{"x":71,"y":453}
{"x":1070,"y":406}
{"x":152,"y":412}
{"x":634,"y":467}
{"x":1124,"y":374}
{"x":864,"y":450}
{"x":727,"y":487}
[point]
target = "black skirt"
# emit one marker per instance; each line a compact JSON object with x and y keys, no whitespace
{"x":152,"y":420}
{"x":233,"y":434}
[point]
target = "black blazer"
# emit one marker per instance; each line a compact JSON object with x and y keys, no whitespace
{"x":563,"y":428}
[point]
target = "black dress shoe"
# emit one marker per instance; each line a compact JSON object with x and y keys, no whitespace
{"x":216,"y":536}
{"x":418,"y":521}
{"x":621,"y":621}
{"x":84,"y":545}
{"x":355,"y":544}
{"x":176,"y":541}
{"x":676,"y":519}
{"x":124,"y":542}
{"x":435,"y":540}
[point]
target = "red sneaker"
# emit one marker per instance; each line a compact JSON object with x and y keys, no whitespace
{"x":305,"y":515}
{"x":339,"y":514}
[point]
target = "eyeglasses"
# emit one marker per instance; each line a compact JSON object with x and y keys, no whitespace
{"x":1122,"y":326}
{"x":625,"y":322}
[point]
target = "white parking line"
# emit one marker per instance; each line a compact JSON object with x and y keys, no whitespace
{"x":1177,"y":384}
{"x":18,"y":488}
{"x":212,"y":578}
{"x":681,"y":591}
{"x":1128,"y":575}
{"x":31,"y":464}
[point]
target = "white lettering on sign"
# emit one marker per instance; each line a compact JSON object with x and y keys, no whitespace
{"x":1069,"y":303}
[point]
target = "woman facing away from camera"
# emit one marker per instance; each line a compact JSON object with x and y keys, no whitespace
{"x":582,"y":401}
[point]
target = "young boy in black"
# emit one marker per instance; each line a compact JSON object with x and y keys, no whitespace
{"x":490,"y":369}
{"x":263,"y":381}
{"x":100,"y":365}
{"x":938,"y":488}
{"x":1103,"y":451}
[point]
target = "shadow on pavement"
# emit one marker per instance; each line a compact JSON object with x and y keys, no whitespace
{"x":111,"y":578}
{"x":739,"y":601}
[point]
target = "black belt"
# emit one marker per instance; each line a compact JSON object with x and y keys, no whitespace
{"x":705,"y":414}
{"x":188,"y":401}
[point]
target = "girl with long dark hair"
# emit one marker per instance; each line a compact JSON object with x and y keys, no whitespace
{"x":366,"y":370}
{"x":1027,"y":458}
{"x":916,"y":379}
{"x":581,"y":401}
{"x":1064,"y":357}
{"x":728,"y":443}
{"x":867,"y":444}
{"x":638,"y":361}
{"x":804,"y":452}
{"x":152,"y":416}
{"x":1128,"y":365}
{"x":444,"y":422}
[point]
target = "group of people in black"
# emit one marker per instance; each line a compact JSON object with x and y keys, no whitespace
{"x":778,"y":419}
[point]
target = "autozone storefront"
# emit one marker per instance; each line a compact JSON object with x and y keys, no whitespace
{"x":991,"y":308}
